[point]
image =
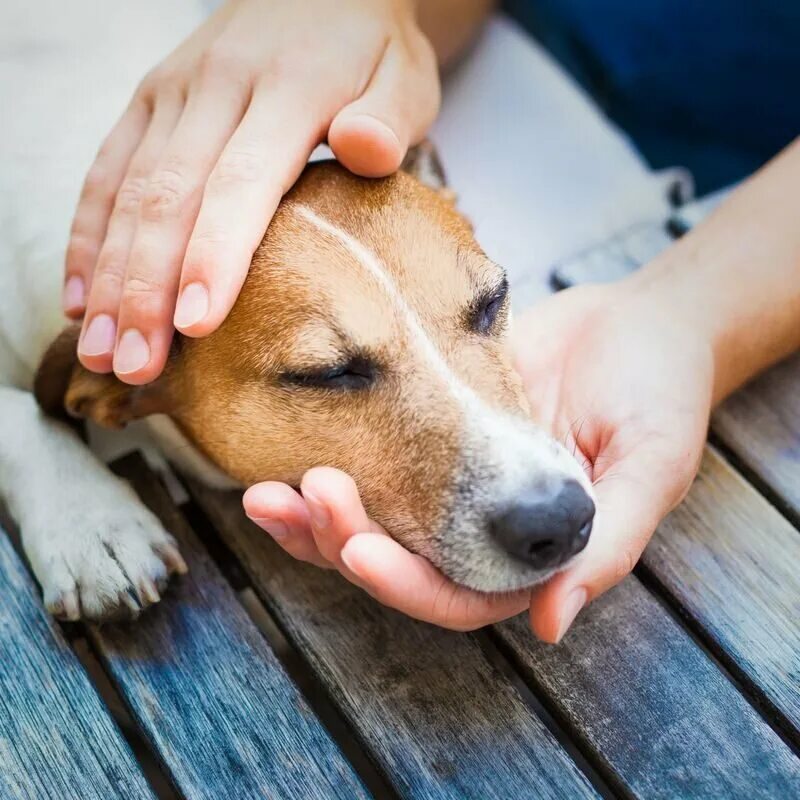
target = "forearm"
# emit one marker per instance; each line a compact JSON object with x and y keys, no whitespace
{"x":451,"y":25}
{"x":735,"y":278}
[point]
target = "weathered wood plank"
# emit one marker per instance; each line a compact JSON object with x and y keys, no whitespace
{"x":56,"y":738}
{"x":731,"y":561}
{"x":760,"y":424}
{"x":659,"y":718}
{"x":207,"y":691}
{"x":437,"y":718}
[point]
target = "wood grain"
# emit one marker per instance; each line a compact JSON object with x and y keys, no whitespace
{"x":436,"y":717}
{"x":56,"y":738}
{"x":760,"y":424}
{"x":655,"y":713}
{"x":207,"y":691}
{"x":732,"y":563}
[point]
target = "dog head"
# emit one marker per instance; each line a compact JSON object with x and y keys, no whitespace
{"x":370,"y":335}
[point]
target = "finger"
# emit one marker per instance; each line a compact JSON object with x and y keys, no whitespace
{"x":412,"y":585}
{"x":96,"y":203}
{"x":167,"y":214}
{"x":335,"y":511}
{"x":282,"y":513}
{"x":259,"y":164}
{"x":98,"y":335}
{"x":628,"y":511}
{"x":371,"y":135}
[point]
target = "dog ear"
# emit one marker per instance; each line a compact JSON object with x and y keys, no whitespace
{"x":423,"y":163}
{"x":62,"y":387}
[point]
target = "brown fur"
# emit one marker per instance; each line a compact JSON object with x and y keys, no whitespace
{"x":306,"y":302}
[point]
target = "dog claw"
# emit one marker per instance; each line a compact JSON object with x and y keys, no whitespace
{"x":72,"y":606}
{"x":129,"y":599}
{"x":173,"y":559}
{"x":66,"y":607}
{"x":148,"y":591}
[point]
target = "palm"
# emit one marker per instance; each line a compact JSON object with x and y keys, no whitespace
{"x":610,"y":382}
{"x":629,"y":392}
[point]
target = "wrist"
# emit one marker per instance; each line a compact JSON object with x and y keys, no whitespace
{"x":672,"y":297}
{"x":735,"y":278}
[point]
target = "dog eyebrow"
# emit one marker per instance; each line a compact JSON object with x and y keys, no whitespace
{"x":492,"y":290}
{"x":370,"y":262}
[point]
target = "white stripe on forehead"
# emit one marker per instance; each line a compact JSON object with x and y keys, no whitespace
{"x":370,"y":262}
{"x":504,"y":440}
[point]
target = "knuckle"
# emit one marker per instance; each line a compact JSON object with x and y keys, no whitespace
{"x":111,"y":262}
{"x":139,"y":286}
{"x":81,"y":249}
{"x":163,"y":76}
{"x":221,"y":60}
{"x":107,"y":281}
{"x":143,"y":297}
{"x":280,"y":68}
{"x":244,"y":164}
{"x":98,"y":179}
{"x":165,"y":195}
{"x":203,"y":248}
{"x":129,"y":196}
{"x":207,"y":250}
{"x":421,"y":53}
{"x":149,"y":85}
{"x":442,"y":608}
{"x":625,"y":562}
{"x":206,"y":243}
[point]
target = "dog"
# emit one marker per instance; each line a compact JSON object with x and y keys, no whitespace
{"x":370,"y":335}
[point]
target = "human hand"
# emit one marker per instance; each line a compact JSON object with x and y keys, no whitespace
{"x":620,"y":376}
{"x":185,"y":184}
{"x":608,"y":370}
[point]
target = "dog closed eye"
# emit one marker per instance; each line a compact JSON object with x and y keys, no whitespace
{"x":355,"y":374}
{"x":486,"y":309}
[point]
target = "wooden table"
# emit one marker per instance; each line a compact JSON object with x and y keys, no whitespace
{"x":258,"y":676}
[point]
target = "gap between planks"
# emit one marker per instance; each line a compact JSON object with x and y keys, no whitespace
{"x":319,"y":699}
{"x":290,"y":658}
{"x":75,"y":636}
{"x":746,"y":687}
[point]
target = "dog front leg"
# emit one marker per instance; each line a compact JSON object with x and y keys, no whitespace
{"x":95,"y":549}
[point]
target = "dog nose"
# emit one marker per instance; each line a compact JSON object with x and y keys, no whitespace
{"x":545,"y":528}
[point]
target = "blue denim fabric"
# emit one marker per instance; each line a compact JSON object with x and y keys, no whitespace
{"x":713,"y":85}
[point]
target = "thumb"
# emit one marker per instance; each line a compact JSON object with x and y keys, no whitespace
{"x":371,"y":135}
{"x":628,"y":511}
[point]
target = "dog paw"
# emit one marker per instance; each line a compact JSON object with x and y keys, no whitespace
{"x":109,"y":562}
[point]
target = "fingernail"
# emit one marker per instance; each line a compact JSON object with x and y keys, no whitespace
{"x":378,"y":126}
{"x":347,"y":561}
{"x":575,"y":601}
{"x":192,"y":305}
{"x":98,"y":338}
{"x":73,"y":296}
{"x":320,"y":516}
{"x":133,"y":352}
{"x":274,"y":527}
